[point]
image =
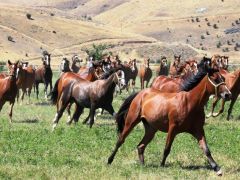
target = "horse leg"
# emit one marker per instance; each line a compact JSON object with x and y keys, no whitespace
{"x":29,"y":93}
{"x":231,"y":107}
{"x":62,"y":104}
{"x":200,"y":136}
{"x":214,"y":103}
{"x":37,"y":90}
{"x":221,"y":110}
{"x":92,"y":114}
{"x":147,"y":83}
{"x":23,"y":93}
{"x":148,"y":136}
{"x":45,"y":90}
{"x":170,"y":137}
{"x":77,"y":113}
{"x":133,"y":85}
{"x":87,"y":118}
{"x":131,"y":121}
{"x":11,"y":109}
{"x":18,"y":94}
{"x":109,"y":108}
{"x":69,"y":121}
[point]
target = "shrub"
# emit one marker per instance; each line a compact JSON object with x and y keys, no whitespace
{"x":215,"y":26}
{"x":10,"y":38}
{"x":97,"y":51}
{"x":219,"y":44}
{"x":207,"y":32}
{"x":202,"y":37}
{"x":208,"y":24}
{"x":52,"y":14}
{"x":29,"y":16}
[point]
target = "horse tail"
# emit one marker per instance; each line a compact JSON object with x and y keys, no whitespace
{"x":122,"y":112}
{"x":54,"y":93}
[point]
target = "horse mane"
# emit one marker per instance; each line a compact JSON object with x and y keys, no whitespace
{"x":193,"y":81}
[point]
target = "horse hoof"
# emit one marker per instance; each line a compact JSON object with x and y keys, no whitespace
{"x":209,"y":115}
{"x":215,"y":114}
{"x":219,"y":172}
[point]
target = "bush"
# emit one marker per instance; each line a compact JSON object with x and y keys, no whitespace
{"x":219,"y":44}
{"x":52,"y":14}
{"x":208,"y":24}
{"x":202,"y":37}
{"x":215,"y":26}
{"x":96,"y":51}
{"x":207,"y":32}
{"x":10,"y":38}
{"x":29,"y":16}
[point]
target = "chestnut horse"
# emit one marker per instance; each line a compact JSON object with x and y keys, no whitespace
{"x":172,"y":113}
{"x":26,"y":79}
{"x":44,"y":74}
{"x":233,"y":83}
{"x":145,"y":73}
{"x":8,"y":91}
{"x":86,"y":94}
{"x":176,"y":66}
{"x":64,"y":67}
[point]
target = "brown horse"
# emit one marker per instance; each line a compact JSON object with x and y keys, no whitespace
{"x":64,"y":66}
{"x":86,"y":94}
{"x":26,"y":79}
{"x":44,"y":74}
{"x":75,"y":60}
{"x":173,"y":113}
{"x":168,"y":84}
{"x":130,"y":71}
{"x":163,"y":67}
{"x":8,"y":86}
{"x":88,"y":73}
{"x":176,"y":66}
{"x":233,"y":83}
{"x":145,"y":73}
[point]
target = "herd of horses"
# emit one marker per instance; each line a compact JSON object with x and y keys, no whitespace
{"x":174,"y":102}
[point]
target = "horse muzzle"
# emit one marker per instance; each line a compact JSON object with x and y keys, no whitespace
{"x":226,"y":96}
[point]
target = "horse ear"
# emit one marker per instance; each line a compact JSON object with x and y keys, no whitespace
{"x":9,"y":63}
{"x":17,"y":62}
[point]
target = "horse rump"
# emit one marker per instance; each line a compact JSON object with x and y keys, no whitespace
{"x":120,"y":116}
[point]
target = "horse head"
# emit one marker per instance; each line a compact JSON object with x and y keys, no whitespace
{"x":223,"y":63}
{"x":46,"y":59}
{"x":163,"y":62}
{"x":65,"y":65}
{"x":218,"y":85}
{"x":13,"y":67}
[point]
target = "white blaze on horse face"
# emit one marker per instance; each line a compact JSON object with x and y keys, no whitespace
{"x":47,"y":60}
{"x":17,"y":73}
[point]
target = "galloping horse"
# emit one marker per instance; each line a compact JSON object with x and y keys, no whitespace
{"x":26,"y":79}
{"x":173,"y":113}
{"x":163,"y":68}
{"x":75,"y":68}
{"x":44,"y":74}
{"x":145,"y":73}
{"x":8,"y":91}
{"x":86,"y":94}
{"x":233,"y":83}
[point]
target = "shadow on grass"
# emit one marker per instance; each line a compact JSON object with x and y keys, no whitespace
{"x":196,"y":167}
{"x":27,"y":121}
{"x":43,"y":103}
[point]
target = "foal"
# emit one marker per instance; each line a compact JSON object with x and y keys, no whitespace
{"x":173,"y":113}
{"x":44,"y":74}
{"x":8,"y":85}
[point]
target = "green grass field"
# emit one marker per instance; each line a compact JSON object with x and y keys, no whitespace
{"x":30,"y":150}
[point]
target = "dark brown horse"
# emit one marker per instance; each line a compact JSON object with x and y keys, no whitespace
{"x":163,"y":67}
{"x":44,"y":74}
{"x":130,"y":71}
{"x":86,"y":94}
{"x":172,"y":113}
{"x":233,"y":83}
{"x":75,"y":63}
{"x":8,"y":90}
{"x":176,"y":66}
{"x":65,"y":66}
{"x":145,"y":73}
{"x":26,"y":79}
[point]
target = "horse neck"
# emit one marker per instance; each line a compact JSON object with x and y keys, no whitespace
{"x":200,"y":94}
{"x":109,"y":83}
